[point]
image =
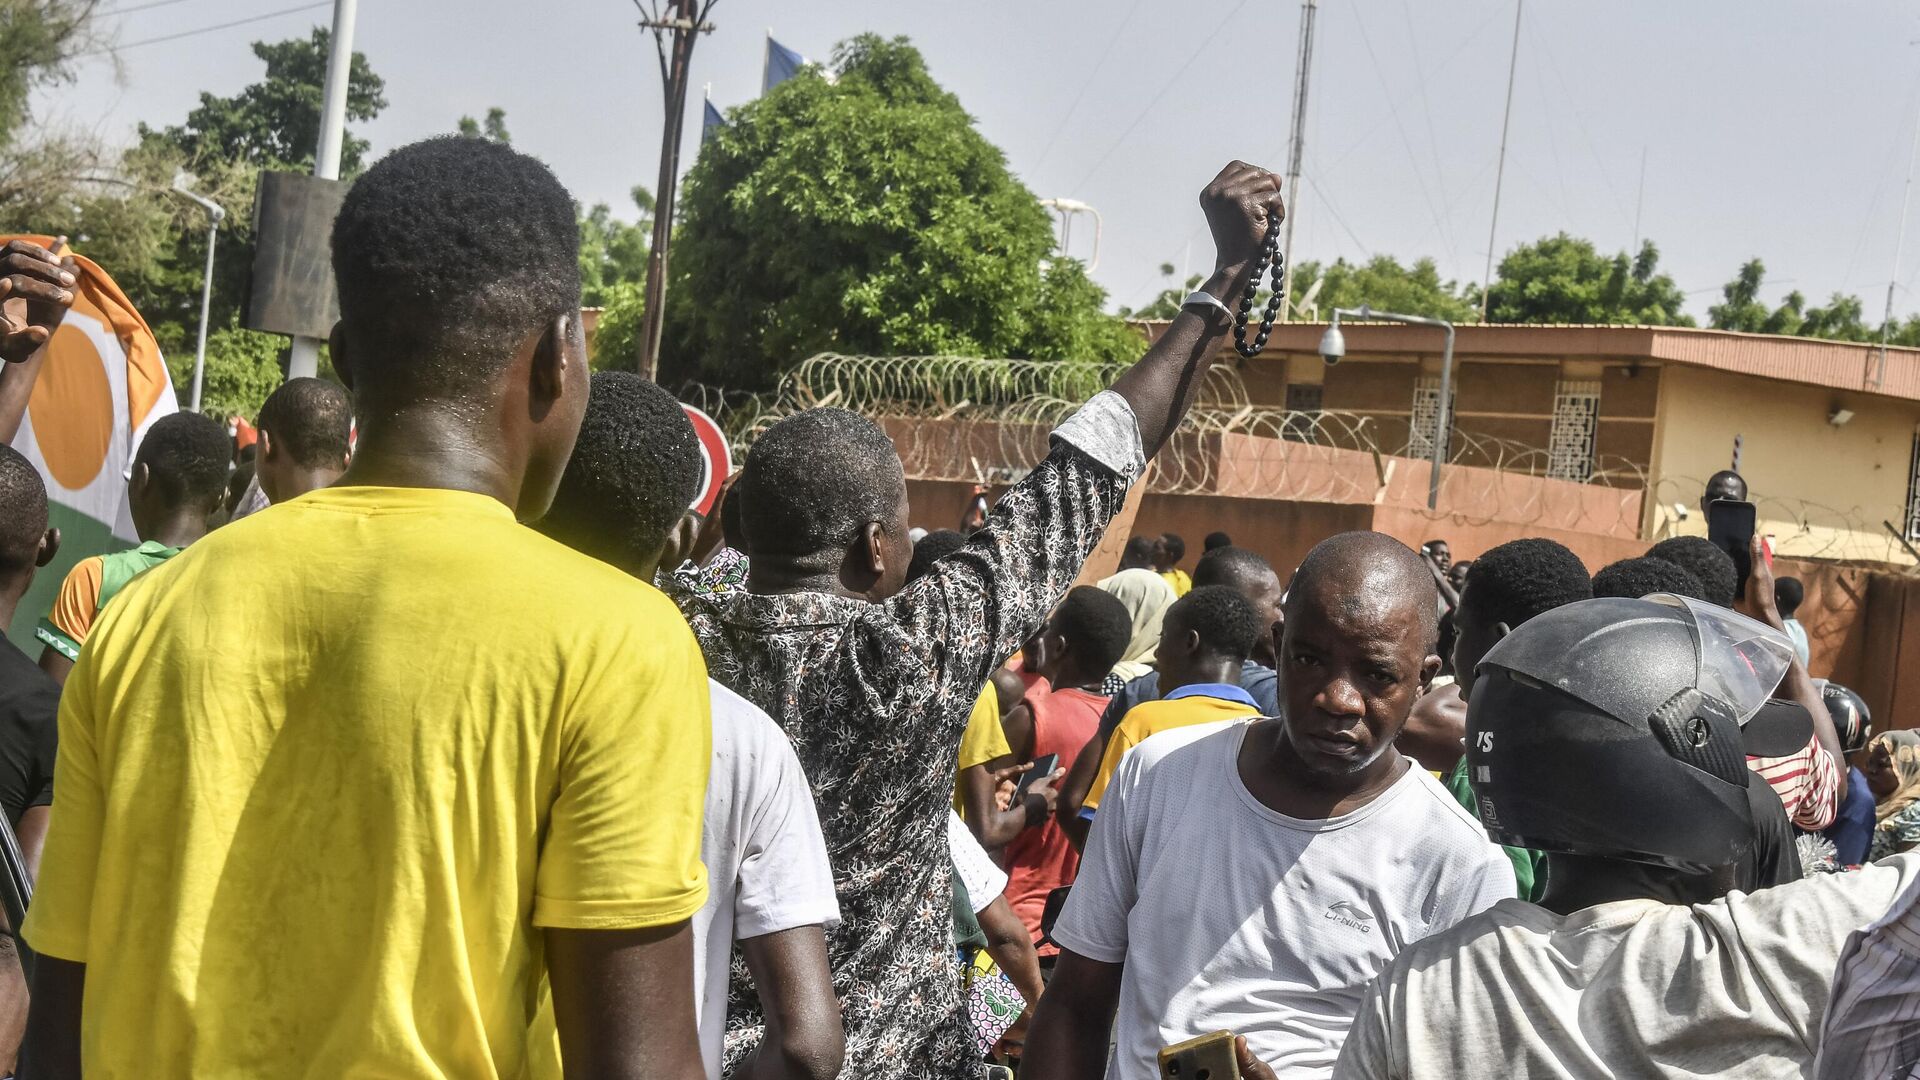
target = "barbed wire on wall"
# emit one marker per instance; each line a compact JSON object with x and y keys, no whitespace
{"x":988,"y":421}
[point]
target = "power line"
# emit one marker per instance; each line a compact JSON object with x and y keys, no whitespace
{"x":1406,"y":142}
{"x":1202,"y":47}
{"x":207,"y":29}
{"x":1085,"y":85}
{"x":131,"y":8}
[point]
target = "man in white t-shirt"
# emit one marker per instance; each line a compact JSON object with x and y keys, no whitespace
{"x":1255,"y":875}
{"x":633,"y":473}
{"x":1611,"y":734}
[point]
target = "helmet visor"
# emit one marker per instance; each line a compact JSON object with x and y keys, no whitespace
{"x":1740,"y":660}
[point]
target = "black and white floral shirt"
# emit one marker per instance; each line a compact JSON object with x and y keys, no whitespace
{"x":874,"y":697}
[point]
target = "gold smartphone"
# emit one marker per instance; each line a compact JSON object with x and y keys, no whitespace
{"x":1209,"y":1057}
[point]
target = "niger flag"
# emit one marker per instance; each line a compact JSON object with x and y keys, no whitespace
{"x":102,"y":386}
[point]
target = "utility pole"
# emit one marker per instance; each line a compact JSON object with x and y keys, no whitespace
{"x":1899,"y":243}
{"x":1296,"y":146}
{"x":304,"y":357}
{"x":1500,"y":172}
{"x":684,"y":20}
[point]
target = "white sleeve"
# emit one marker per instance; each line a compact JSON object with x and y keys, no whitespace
{"x":785,"y":880}
{"x":983,"y":880}
{"x":1094,"y":921}
{"x":1367,"y":1052}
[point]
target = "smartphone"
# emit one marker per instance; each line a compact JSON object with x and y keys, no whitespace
{"x":1730,"y":524}
{"x":1043,"y":767}
{"x":996,"y":1072}
{"x":1209,"y":1057}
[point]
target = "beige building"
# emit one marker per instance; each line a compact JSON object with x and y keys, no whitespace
{"x":1828,"y":442}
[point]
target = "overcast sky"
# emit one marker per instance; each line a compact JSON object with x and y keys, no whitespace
{"x":1767,"y":128}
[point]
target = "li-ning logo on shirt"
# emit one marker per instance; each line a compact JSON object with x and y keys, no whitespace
{"x":1348,"y":913}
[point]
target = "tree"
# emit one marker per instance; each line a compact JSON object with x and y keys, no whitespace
{"x":1740,"y":308}
{"x":493,"y":129}
{"x":613,"y":252}
{"x":1388,"y":286}
{"x":1562,"y":279}
{"x":39,"y":40}
{"x":275,"y":123}
{"x":866,"y":214}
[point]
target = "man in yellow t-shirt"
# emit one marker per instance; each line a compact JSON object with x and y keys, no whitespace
{"x":1167,"y":553}
{"x":1204,"y":639}
{"x":345,"y":786}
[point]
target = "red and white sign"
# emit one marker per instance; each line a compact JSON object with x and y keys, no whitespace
{"x":716,"y":458}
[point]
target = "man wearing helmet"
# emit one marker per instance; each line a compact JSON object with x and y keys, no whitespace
{"x":1852,"y":829}
{"x":1612,"y":735}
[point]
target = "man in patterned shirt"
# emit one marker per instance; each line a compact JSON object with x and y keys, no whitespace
{"x":874,"y":683}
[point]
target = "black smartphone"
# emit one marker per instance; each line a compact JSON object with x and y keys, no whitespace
{"x":1043,"y":767}
{"x":1730,"y":525}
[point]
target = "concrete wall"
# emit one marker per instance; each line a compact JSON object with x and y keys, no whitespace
{"x":1822,"y":490}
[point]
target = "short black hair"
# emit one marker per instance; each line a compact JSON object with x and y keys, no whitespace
{"x":931,"y":548}
{"x":813,"y":480}
{"x":23,"y":511}
{"x":311,"y":419}
{"x":1631,"y":579}
{"x":634,"y":471}
{"x":446,"y":254}
{"x":1519,"y":579}
{"x":1230,"y":566}
{"x":1175,"y":547}
{"x":1138,"y":552}
{"x":1725,"y":475}
{"x":188,"y":456}
{"x":1788,"y":595}
{"x":731,"y":530}
{"x":1222,"y":618}
{"x":1218,"y":540}
{"x":1698,"y":556}
{"x":1096,"y":626}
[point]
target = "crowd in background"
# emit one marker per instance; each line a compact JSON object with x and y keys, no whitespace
{"x":428,"y":733}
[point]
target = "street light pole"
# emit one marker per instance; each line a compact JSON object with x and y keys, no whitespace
{"x":1066,"y":208}
{"x":215,"y":214}
{"x":1443,"y":416}
{"x":304,"y":357}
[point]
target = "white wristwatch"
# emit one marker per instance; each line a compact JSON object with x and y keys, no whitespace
{"x":1207,"y":299}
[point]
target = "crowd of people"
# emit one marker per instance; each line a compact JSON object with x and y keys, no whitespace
{"x":435,"y":736}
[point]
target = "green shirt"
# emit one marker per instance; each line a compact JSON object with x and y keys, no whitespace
{"x":1529,"y":866}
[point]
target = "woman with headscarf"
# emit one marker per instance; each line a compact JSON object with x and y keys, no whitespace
{"x":1147,"y":597}
{"x":1893,"y":775}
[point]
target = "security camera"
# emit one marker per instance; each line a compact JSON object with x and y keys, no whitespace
{"x":1680,"y":510}
{"x":1333,"y":345}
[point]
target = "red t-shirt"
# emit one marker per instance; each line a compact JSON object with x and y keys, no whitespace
{"x":1043,"y":859}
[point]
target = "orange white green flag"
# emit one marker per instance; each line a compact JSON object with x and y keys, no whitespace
{"x":103,"y":384}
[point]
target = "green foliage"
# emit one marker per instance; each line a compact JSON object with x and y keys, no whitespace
{"x":494,"y":129}
{"x":243,"y":367}
{"x":616,"y":341}
{"x":1068,"y":322}
{"x":864,"y":215}
{"x":153,"y":241}
{"x":613,"y":252}
{"x":39,"y":40}
{"x":1562,"y":279}
{"x":1388,"y":286}
{"x":275,"y":123}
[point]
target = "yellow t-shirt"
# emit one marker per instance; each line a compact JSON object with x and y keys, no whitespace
{"x":983,"y":740}
{"x":1143,"y":721}
{"x":1179,"y":579}
{"x":322,"y":778}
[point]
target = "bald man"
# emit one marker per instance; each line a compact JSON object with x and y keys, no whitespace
{"x":1255,"y":876}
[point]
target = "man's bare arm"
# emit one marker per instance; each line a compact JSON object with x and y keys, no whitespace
{"x":803,"y":1039}
{"x":1070,"y":1028}
{"x":623,"y":1003}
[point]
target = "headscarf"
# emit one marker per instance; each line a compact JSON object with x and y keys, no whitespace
{"x":1147,"y":597}
{"x":1904,"y":747}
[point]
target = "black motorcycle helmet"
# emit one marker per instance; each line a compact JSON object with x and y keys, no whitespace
{"x":1611,"y":728}
{"x":1851,"y":718}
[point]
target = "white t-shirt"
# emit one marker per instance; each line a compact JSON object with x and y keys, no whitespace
{"x":766,"y":859}
{"x":1735,"y":988}
{"x":1230,"y":915}
{"x":983,"y":880}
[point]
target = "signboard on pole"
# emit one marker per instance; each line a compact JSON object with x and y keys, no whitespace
{"x":716,"y":458}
